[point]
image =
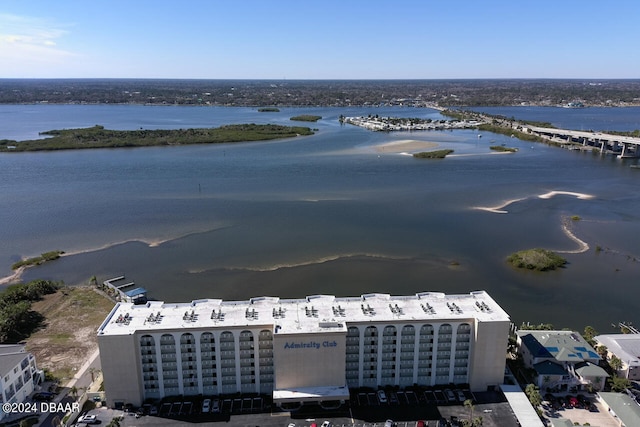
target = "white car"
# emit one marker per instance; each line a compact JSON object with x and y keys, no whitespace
{"x":382,"y":397}
{"x":88,"y":419}
{"x":326,"y":424}
{"x":206,"y":406}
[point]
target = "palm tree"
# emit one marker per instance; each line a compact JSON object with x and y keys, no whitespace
{"x":74,"y":392}
{"x":469,"y":404}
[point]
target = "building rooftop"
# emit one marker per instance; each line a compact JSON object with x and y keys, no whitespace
{"x":310,"y":314}
{"x":623,"y":407}
{"x":563,"y":346}
{"x":10,"y":356}
{"x":625,"y":346}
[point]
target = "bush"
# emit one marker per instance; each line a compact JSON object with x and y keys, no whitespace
{"x":536,"y":259}
{"x":438,"y":154}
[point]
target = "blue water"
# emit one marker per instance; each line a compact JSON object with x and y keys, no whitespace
{"x":587,"y":119}
{"x":322,"y":214}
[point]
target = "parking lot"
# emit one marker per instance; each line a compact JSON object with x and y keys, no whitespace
{"x":367,"y":408}
{"x":593,"y":412}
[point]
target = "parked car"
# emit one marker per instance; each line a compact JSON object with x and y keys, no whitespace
{"x":389,"y":423}
{"x":382,"y":397}
{"x":206,"y":406}
{"x":450,"y":396}
{"x":326,"y":424}
{"x":215,"y":406}
{"x":421,"y":423}
{"x":460,"y":395}
{"x":573,"y":402}
{"x":88,"y":419}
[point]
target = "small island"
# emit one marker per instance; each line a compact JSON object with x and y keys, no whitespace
{"x":268,"y":110}
{"x":536,"y":259}
{"x":99,"y":137}
{"x":306,"y":118}
{"x":502,"y":148}
{"x":438,"y":154}
{"x":47,"y":256}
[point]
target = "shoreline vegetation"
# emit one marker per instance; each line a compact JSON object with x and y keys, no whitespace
{"x":536,"y":259}
{"x":503,"y":149}
{"x":306,"y":118}
{"x":29,"y":262}
{"x":437,"y":154}
{"x":99,"y":137}
{"x":268,"y":110}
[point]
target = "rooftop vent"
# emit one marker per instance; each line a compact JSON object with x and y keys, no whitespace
{"x":217,"y":317}
{"x":427,"y":308}
{"x":124,"y":320}
{"x":190,"y":317}
{"x":482,"y":306}
{"x":153,"y":318}
{"x":368,"y":310}
{"x":395,"y":309}
{"x":278,"y":313}
{"x":454,"y":307}
{"x":311,"y":312}
{"x":339,"y":311}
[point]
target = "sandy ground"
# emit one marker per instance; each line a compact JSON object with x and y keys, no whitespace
{"x":73,"y":315}
{"x":405,"y":146}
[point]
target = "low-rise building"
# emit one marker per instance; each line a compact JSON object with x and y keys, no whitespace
{"x":624,"y":409}
{"x":301,"y":350}
{"x":561,"y":359}
{"x":625,"y":347}
{"x":18,"y":374}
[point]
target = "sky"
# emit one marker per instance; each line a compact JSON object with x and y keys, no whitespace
{"x":328,"y":39}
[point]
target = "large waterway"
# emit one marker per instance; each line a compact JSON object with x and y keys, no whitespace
{"x":325,"y":214}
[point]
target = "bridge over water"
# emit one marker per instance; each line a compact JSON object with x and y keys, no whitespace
{"x":624,"y":146}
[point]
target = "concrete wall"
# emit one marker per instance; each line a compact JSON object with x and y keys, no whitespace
{"x":119,"y":359}
{"x":489,"y":355}
{"x":308,"y":360}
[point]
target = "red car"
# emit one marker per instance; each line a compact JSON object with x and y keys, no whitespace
{"x":420,"y":423}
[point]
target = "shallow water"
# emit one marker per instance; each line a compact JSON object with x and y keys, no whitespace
{"x":323,"y":214}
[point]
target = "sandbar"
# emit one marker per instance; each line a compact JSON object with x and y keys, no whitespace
{"x":551,"y":194}
{"x":405,"y":145}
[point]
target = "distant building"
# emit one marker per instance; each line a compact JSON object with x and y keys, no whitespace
{"x":561,"y":359}
{"x":18,"y":374}
{"x":625,"y":347}
{"x":623,"y":408}
{"x":301,"y":350}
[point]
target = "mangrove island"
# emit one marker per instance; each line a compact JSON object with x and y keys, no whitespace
{"x":99,"y":137}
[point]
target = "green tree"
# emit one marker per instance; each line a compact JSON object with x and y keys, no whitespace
{"x":469,"y":404}
{"x":533,"y":393}
{"x":615,"y":363}
{"x":589,"y":334}
{"x":619,"y":384}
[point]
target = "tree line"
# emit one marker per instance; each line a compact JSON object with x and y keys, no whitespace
{"x":17,"y":319}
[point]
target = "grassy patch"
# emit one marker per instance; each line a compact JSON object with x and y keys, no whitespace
{"x":438,"y":154}
{"x":72,"y":316}
{"x":536,"y":259}
{"x":47,"y":256}
{"x":503,"y":148}
{"x":306,"y":118}
{"x":99,"y":137}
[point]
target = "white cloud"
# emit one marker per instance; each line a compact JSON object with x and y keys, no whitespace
{"x":27,"y":42}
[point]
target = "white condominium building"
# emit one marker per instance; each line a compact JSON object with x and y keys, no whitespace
{"x":299,"y":350}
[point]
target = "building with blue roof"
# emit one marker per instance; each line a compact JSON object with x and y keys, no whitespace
{"x":561,"y":359}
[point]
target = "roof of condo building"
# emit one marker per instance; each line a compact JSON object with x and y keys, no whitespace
{"x":316,"y":313}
